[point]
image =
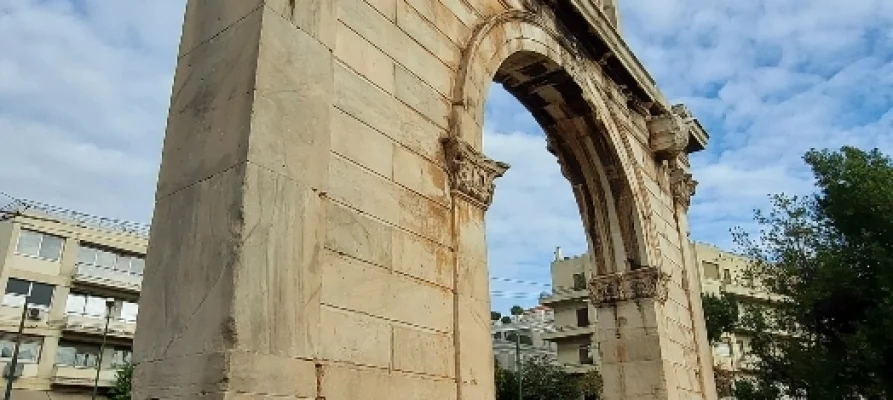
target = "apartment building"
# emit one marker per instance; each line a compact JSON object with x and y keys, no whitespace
{"x":78,"y":272}
{"x":575,"y":317}
{"x":523,"y":336}
{"x":574,"y":326}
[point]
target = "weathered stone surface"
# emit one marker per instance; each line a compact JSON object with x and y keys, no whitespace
{"x":319,"y":222}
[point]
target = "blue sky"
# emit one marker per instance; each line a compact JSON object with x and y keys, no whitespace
{"x":84,"y":89}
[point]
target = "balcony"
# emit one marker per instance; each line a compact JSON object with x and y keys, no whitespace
{"x":578,"y":368}
{"x":94,"y":325}
{"x":82,"y":376}
{"x":563,"y":332}
{"x":564,"y":295}
{"x":107,"y":277}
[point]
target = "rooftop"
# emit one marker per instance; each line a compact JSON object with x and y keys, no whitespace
{"x":30,"y":207}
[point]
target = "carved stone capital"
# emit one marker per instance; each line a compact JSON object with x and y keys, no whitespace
{"x":639,"y":284}
{"x":670,"y":132}
{"x":682,"y":186}
{"x":472,"y":174}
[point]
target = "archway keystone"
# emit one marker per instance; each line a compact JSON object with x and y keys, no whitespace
{"x":319,"y":221}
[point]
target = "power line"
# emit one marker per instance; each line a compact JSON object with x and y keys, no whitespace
{"x":512,"y":280}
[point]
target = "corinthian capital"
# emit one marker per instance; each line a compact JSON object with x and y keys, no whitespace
{"x":682,"y":186}
{"x":472,"y":174}
{"x":643,"y":283}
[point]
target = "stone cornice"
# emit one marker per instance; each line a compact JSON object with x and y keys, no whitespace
{"x":472,"y":174}
{"x":638,"y":284}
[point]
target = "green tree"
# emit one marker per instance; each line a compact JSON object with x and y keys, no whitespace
{"x":506,"y":319}
{"x":121,"y":390}
{"x":517,"y":310}
{"x":543,"y":380}
{"x":720,"y":314}
{"x":495,"y":315}
{"x":830,"y":258}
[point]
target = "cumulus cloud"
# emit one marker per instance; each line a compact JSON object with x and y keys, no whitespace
{"x":84,"y":87}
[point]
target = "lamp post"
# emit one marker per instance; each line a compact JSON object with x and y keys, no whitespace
{"x":109,"y":305}
{"x":518,"y":363}
{"x":15,"y":352}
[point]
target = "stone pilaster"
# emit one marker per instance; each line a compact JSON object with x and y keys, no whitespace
{"x":472,"y":177}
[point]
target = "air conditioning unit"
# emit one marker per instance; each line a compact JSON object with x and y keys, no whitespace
{"x":17,"y":373}
{"x":35,"y":314}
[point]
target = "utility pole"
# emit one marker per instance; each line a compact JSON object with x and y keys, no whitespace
{"x":518,"y":364}
{"x":109,"y":304}
{"x":15,"y":352}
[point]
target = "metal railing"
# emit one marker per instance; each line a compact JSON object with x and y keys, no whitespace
{"x":20,"y":206}
{"x":93,"y":271}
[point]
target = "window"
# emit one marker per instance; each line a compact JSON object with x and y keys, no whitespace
{"x":121,"y":357}
{"x":579,"y":282}
{"x":77,"y":354}
{"x":582,"y":317}
{"x":130,"y":264}
{"x":586,"y":355}
{"x":129,"y":311}
{"x":38,"y":294}
{"x":83,"y":304}
{"x":711,"y":270}
{"x":29,"y":350}
{"x":723,"y":349}
{"x":726,"y":276}
{"x":40,"y":245}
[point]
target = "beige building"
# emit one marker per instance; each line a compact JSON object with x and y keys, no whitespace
{"x":530,"y":328}
{"x":74,"y":269}
{"x":575,"y":317}
{"x":574,"y":326}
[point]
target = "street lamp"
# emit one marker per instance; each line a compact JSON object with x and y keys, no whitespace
{"x":15,"y":352}
{"x":109,"y":305}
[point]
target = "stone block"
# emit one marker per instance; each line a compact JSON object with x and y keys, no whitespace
{"x":211,"y":106}
{"x":357,"y":142}
{"x":355,"y":338}
{"x":362,"y":190}
{"x":364,"y":58}
{"x":384,"y":113}
{"x":205,"y":19}
{"x":422,"y":258}
{"x":346,"y":383}
{"x":180,"y":377}
{"x":630,"y":349}
{"x":314,"y":17}
{"x":421,"y":175}
{"x":273,"y":376}
{"x":429,"y":353}
{"x":416,"y":94}
{"x":441,"y":16}
{"x":644,"y":378}
{"x":425,"y":217}
{"x":358,"y":236}
{"x":471,"y":231}
{"x":291,"y":122}
{"x":384,"y":34}
{"x":474,"y":342}
{"x":189,"y":281}
{"x":356,"y":286}
{"x":277,"y":278}
{"x":426,"y":33}
{"x":473,"y":279}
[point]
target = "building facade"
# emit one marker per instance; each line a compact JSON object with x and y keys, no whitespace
{"x":79,"y":273}
{"x":574,"y":327}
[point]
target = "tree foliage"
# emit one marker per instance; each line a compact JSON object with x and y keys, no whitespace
{"x":495,"y":315}
{"x":830,"y":257}
{"x":543,"y":380}
{"x":517,"y":310}
{"x":123,"y":377}
{"x":506,"y":319}
{"x":720,"y":314}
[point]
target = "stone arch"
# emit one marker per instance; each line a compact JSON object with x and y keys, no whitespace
{"x":523,"y":49}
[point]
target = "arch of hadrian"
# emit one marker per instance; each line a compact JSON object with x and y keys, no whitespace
{"x":319,"y":219}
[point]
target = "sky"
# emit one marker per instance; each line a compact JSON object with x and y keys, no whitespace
{"x":85,"y":84}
